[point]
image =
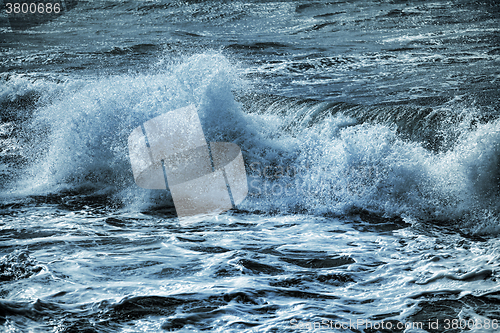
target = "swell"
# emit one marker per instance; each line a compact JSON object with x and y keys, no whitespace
{"x":430,"y":121}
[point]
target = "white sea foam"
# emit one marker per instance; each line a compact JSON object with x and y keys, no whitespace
{"x":78,"y":131}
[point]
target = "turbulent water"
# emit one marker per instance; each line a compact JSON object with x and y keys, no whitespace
{"x":370,"y":132}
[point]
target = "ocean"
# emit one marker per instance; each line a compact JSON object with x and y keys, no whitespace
{"x":370,"y":134}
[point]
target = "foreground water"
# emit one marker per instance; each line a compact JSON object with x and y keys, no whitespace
{"x":370,"y":135}
{"x":111,"y":272}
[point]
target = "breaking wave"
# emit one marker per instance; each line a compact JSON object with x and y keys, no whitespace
{"x":420,"y":163}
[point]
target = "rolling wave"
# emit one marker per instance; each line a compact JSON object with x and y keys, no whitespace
{"x":426,"y":163}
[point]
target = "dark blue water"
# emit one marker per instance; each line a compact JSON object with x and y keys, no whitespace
{"x":371,"y":141}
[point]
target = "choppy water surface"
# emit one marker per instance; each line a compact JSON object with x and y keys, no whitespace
{"x":370,"y":135}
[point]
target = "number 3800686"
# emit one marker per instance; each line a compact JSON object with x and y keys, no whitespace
{"x":32,"y":8}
